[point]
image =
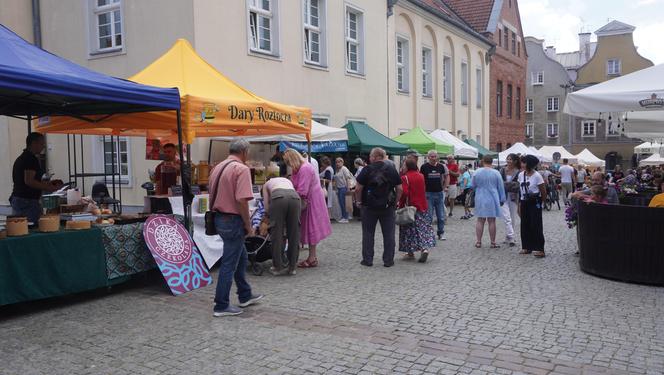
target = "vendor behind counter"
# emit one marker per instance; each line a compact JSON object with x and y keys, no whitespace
{"x":167,"y":172}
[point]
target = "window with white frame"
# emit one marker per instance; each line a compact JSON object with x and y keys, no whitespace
{"x":447,"y":79}
{"x":314,"y":32}
{"x":537,"y":78}
{"x":426,"y":73}
{"x":321,"y":119}
{"x":116,"y":158}
{"x":464,"y":83}
{"x":552,"y":130}
{"x":263,"y":26}
{"x":613,"y":67}
{"x":478,"y":87}
{"x":402,"y":64}
{"x":552,"y":104}
{"x":108,"y":29}
{"x":588,"y":128}
{"x":530,"y":106}
{"x":529,"y":130}
{"x":354,"y":41}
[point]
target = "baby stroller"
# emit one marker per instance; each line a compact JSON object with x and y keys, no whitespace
{"x":259,"y":250}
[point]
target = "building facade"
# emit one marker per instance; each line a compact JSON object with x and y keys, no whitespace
{"x":338,"y":58}
{"x":500,"y":21}
{"x":546,"y":91}
{"x":613,"y":55}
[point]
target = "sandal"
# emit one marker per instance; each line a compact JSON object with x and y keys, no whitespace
{"x":478,"y":245}
{"x":409,"y":256}
{"x":308,"y":264}
{"x":494,"y":246}
{"x":524,"y":251}
{"x":539,"y":254}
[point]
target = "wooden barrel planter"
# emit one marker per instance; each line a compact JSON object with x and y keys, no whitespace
{"x":620,"y":242}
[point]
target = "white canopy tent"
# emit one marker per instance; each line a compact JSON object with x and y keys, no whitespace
{"x":647,"y":125}
{"x":648,"y":148}
{"x":519,"y":149}
{"x":654,"y":159}
{"x":319,"y":133}
{"x":461,"y":148}
{"x":548,"y":152}
{"x":587,"y":158}
{"x":543,"y":158}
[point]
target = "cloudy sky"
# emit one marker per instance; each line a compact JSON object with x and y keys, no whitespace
{"x":560,"y":21}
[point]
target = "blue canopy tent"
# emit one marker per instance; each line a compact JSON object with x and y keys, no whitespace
{"x":35,"y":82}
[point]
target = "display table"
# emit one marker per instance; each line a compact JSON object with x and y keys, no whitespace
{"x":125,"y":250}
{"x":42,"y":265}
{"x":624,"y":243}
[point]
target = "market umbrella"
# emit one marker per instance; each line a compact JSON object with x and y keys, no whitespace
{"x":461,"y":150}
{"x":362,"y":138}
{"x":422,"y":142}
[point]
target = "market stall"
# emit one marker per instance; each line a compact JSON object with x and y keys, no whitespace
{"x":519,"y":149}
{"x":652,"y":160}
{"x":420,"y":141}
{"x":481,"y":150}
{"x":588,"y":159}
{"x":362,"y":138}
{"x":462,"y":150}
{"x":556,"y":153}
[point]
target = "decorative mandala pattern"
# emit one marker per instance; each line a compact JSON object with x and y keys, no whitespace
{"x":169,"y":240}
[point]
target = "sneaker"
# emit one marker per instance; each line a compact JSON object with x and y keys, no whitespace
{"x":366,"y":264}
{"x":512,"y":243}
{"x":388,"y":264}
{"x":229,"y":311}
{"x":441,"y":237}
{"x":251,"y":301}
{"x":291,"y":272}
{"x":450,"y":215}
{"x":276,"y":272}
{"x":343,"y":221}
{"x":423,"y":257}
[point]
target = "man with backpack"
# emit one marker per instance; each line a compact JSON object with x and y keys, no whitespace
{"x":377,"y":191}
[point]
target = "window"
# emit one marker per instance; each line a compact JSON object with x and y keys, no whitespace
{"x":529,"y":105}
{"x":499,"y":147}
{"x":537,"y":78}
{"x":612,"y":127}
{"x":263,"y":26}
{"x":552,"y":130}
{"x":506,"y":38}
{"x":108,"y":33}
{"x":478,"y":139}
{"x":402,"y":65}
{"x":321,"y":119}
{"x":426,"y":72}
{"x":500,"y":38}
{"x":447,"y":79}
{"x":499,"y":99}
{"x":314,"y":32}
{"x":120,"y":150}
{"x":518,"y":103}
{"x":464,"y":83}
{"x":529,"y":130}
{"x":354,"y":41}
{"x":613,"y":67}
{"x":588,"y":128}
{"x":513,"y":43}
{"x":518,"y":49}
{"x":478,"y":87}
{"x":552,"y":104}
{"x":509,"y":101}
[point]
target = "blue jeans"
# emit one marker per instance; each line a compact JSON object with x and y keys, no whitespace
{"x":341,"y":194}
{"x":30,"y":208}
{"x":436,"y":201}
{"x":233,"y":262}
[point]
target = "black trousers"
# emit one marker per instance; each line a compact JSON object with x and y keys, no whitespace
{"x":370,"y":218}
{"x":532,"y":229}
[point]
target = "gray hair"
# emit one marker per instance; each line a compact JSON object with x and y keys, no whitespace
{"x":359,"y":161}
{"x":378,"y":152}
{"x":432,"y":152}
{"x":238,"y":146}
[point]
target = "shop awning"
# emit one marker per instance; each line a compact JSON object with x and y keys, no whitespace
{"x":212,"y":105}
{"x":38,"y":83}
{"x":481,"y":150}
{"x":362,"y":138}
{"x":422,"y":142}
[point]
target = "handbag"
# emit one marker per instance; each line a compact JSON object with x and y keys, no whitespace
{"x":210,"y":228}
{"x":406,"y":214}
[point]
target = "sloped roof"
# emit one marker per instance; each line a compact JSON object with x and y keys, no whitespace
{"x":444,"y":11}
{"x":615,"y":28}
{"x":476,"y":12}
{"x":574,"y":59}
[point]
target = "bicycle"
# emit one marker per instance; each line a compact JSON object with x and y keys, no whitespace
{"x":552,"y":195}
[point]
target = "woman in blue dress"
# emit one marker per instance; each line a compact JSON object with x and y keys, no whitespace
{"x":489,"y":196}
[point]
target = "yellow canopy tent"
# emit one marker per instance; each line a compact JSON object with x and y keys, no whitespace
{"x":212,"y":105}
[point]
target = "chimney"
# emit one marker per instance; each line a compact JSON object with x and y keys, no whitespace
{"x":551,"y":52}
{"x":584,"y":46}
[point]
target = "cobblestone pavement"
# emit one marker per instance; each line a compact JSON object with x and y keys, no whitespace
{"x":467,"y":310}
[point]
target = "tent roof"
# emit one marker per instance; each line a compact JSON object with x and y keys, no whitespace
{"x":647,"y":148}
{"x":588,"y":158}
{"x":654,"y":159}
{"x":481,"y":150}
{"x":461,"y":150}
{"x":362,"y":138}
{"x":34,"y":81}
{"x":422,"y":142}
{"x":319,"y":133}
{"x":548,"y":151}
{"x":519,"y":149}
{"x":212,"y":104}
{"x":621,"y":94}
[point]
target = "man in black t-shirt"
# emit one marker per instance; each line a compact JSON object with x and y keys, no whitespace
{"x":27,"y":176}
{"x":377,"y":191}
{"x":436,"y":179}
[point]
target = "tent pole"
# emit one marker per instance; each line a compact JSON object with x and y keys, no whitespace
{"x":210,"y":153}
{"x":186,"y":188}
{"x":29,"y":123}
{"x":309,"y":150}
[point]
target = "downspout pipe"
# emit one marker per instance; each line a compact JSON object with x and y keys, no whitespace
{"x":36,"y":23}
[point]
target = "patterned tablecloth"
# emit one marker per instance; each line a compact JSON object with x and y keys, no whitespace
{"x":126,"y":251}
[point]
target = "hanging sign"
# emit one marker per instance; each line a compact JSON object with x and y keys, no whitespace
{"x":176,"y":254}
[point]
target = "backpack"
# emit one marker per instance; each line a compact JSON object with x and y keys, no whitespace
{"x":513,"y":186}
{"x":380,"y":193}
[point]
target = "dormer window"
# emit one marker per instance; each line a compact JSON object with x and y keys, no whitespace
{"x":613,"y":67}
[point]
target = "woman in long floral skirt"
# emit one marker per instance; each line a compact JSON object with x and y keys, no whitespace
{"x":418,"y":236}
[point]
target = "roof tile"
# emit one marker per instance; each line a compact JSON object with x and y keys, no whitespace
{"x":475,"y":12}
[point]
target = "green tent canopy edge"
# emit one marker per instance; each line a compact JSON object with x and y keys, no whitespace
{"x":362,"y":138}
{"x":481,"y":150}
{"x":422,"y":142}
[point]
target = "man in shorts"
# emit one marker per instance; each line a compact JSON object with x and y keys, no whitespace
{"x":452,"y":188}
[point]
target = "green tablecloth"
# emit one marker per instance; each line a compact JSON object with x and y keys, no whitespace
{"x":43,"y":265}
{"x":126,"y":251}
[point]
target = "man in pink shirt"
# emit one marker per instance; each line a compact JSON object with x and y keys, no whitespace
{"x":230,"y":193}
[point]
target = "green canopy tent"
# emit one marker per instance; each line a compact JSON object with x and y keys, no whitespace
{"x":481,"y":150}
{"x":362,"y":138}
{"x":422,"y":142}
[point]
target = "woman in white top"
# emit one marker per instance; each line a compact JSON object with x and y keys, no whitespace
{"x":359,"y":164}
{"x":532,"y":194}
{"x":282,"y":207}
{"x":343,"y":181}
{"x":509,"y":209}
